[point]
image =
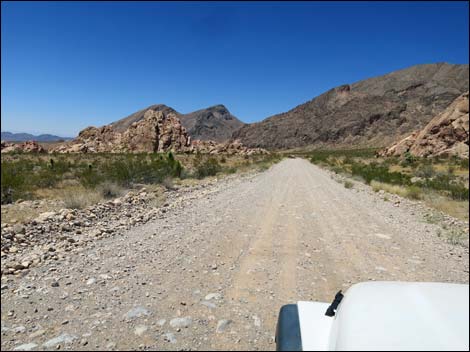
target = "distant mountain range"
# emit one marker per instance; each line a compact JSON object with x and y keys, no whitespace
{"x":375,"y":112}
{"x":22,"y":137}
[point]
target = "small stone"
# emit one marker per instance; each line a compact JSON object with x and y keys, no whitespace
{"x":137,"y":312}
{"x":55,"y":284}
{"x":64,"y":338}
{"x":180,"y":322}
{"x":26,"y":347}
{"x":222,"y":325}
{"x":215,"y":296}
{"x":19,"y":329}
{"x":257,"y":321}
{"x":37,"y":334}
{"x":140,"y":330}
{"x":169,"y":337}
{"x":111,"y":345}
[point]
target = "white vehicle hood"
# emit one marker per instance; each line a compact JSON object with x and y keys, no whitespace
{"x":390,"y":316}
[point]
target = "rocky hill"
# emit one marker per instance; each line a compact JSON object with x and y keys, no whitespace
{"x":152,"y":130}
{"x":372,"y":112}
{"x":215,"y":123}
{"x":446,"y":134}
{"x":155,"y":129}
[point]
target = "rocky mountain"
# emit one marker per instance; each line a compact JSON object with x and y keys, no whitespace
{"x":372,"y":112}
{"x":446,"y":134}
{"x":23,"y":137}
{"x":215,"y":123}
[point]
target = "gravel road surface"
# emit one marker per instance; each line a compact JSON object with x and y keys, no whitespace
{"x":214,"y":271}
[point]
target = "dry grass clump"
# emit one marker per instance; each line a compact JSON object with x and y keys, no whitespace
{"x":79,"y":198}
{"x":110,"y":190}
{"x":411,"y":192}
{"x":455,"y":208}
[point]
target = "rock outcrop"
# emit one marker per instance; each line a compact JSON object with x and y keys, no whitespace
{"x":445,"y":135}
{"x":155,"y":131}
{"x":230,"y":148}
{"x":374,"y":112}
{"x":25,"y":147}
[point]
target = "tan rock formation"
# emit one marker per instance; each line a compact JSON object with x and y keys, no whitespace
{"x":230,"y":147}
{"x":445,"y":135}
{"x":25,"y":147}
{"x":157,"y":131}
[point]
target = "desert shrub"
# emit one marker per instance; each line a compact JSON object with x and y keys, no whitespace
{"x":394,"y":189}
{"x":80,"y":198}
{"x":448,"y":185}
{"x":210,"y":167}
{"x":168,"y":183}
{"x":414,"y":192}
{"x":89,"y":176}
{"x":232,"y":170}
{"x":337,"y":169}
{"x":13,"y":182}
{"x":348,"y":184}
{"x":409,"y":159}
{"x":425,"y":171}
{"x":110,"y":190}
{"x":463,"y":164}
{"x":377,"y":172}
{"x":130,"y":169}
{"x":322,"y":156}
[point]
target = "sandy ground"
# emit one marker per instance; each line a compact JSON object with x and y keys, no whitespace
{"x":213,"y":273}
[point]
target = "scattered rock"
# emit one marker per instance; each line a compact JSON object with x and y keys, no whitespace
{"x":63,"y":338}
{"x":140,"y":330}
{"x":222,"y":325}
{"x":181,"y":322}
{"x":137,"y":312}
{"x":26,"y":347}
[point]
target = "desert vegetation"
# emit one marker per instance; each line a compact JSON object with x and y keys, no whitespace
{"x":441,"y":183}
{"x":82,"y":179}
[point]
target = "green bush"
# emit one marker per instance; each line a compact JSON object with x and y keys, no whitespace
{"x":425,"y":171}
{"x":414,"y":192}
{"x":377,"y":172}
{"x":210,"y":167}
{"x":13,"y":182}
{"x":409,"y":159}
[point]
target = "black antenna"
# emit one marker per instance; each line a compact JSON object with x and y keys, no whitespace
{"x":331,"y":311}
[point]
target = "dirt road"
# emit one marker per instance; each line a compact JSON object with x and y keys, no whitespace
{"x":213,"y":273}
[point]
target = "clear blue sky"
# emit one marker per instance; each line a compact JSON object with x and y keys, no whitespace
{"x":66,"y":66}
